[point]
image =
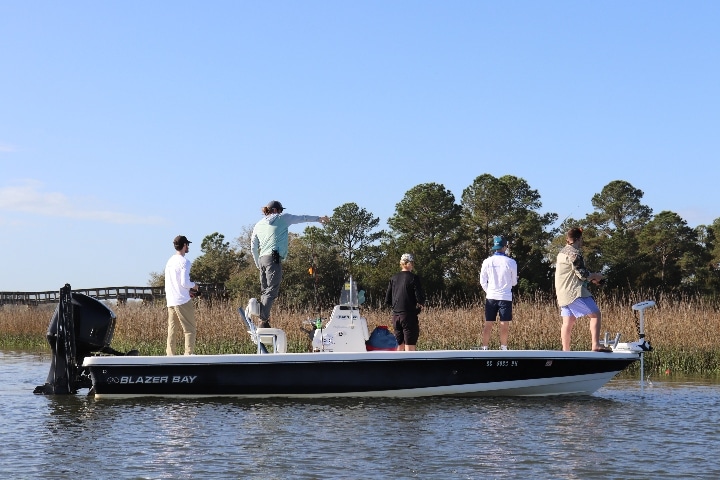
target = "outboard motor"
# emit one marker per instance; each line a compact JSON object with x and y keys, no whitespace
{"x":80,"y":326}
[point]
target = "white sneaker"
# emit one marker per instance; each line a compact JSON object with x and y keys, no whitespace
{"x":503,"y":347}
{"x":253,"y":308}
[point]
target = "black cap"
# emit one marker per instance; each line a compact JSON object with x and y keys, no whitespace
{"x":276,"y":205}
{"x":180,"y":241}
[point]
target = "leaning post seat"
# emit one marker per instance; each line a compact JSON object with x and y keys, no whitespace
{"x":273,"y":336}
{"x":262,"y":336}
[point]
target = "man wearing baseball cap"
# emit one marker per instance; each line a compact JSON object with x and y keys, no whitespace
{"x":178,"y":293}
{"x":406,"y":295}
{"x":269,"y":245}
{"x":498,"y":275}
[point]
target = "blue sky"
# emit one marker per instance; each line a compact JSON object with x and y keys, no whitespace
{"x":123,"y":124}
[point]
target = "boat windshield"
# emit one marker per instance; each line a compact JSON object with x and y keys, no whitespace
{"x":350,"y":295}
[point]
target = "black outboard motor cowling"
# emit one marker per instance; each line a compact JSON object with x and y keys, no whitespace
{"x":80,"y":326}
{"x":94,"y":324}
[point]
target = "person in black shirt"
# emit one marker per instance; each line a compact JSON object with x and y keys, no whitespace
{"x":407,"y":298}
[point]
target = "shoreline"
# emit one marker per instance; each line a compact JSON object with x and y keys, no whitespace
{"x":535,"y":326}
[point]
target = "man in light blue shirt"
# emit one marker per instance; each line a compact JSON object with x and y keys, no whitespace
{"x":270,"y":248}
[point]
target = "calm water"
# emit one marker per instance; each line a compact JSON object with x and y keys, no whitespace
{"x":671,"y":429}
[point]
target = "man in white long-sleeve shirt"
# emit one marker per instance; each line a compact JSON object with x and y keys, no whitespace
{"x":178,"y":293}
{"x":498,"y":275}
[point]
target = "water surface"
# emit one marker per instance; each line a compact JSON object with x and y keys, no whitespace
{"x":668,"y":429}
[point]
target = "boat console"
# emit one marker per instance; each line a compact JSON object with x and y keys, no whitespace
{"x":346,"y":331}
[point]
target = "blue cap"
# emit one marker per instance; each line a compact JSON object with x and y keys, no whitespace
{"x":499,"y":243}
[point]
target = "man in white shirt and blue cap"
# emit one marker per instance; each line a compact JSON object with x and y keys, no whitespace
{"x":498,"y":275}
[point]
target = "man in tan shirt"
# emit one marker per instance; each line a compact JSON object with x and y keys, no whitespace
{"x":573,"y":296}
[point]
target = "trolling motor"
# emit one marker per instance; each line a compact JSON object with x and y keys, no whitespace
{"x":80,"y":326}
{"x":641,"y":345}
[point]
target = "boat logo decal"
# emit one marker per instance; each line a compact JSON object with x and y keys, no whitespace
{"x":152,"y":379}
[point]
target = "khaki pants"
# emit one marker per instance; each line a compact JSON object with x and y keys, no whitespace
{"x":184,"y":315}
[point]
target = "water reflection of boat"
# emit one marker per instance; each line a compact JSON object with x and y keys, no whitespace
{"x":340,"y":364}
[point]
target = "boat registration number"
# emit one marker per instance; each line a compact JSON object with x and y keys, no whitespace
{"x":501,"y":363}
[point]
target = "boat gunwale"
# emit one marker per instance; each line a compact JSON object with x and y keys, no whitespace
{"x":376,"y":355}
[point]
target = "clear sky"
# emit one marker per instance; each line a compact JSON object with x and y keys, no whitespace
{"x":123,"y":124}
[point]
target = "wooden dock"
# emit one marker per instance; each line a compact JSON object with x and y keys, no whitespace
{"x":119,"y":294}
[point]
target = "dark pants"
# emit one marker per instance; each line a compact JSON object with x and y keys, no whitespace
{"x":493,"y":307}
{"x":407,"y":328}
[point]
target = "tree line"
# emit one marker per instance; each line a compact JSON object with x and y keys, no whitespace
{"x":636,"y":249}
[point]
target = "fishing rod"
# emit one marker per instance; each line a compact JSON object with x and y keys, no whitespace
{"x":557,"y":228}
{"x":313,"y":271}
{"x":315,"y":323}
{"x":642,"y":256}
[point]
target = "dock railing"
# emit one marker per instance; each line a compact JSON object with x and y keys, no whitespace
{"x":119,"y":294}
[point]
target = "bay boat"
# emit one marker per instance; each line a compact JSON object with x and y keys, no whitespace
{"x":340,"y":365}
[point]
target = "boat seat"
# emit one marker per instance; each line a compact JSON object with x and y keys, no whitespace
{"x":274,"y":337}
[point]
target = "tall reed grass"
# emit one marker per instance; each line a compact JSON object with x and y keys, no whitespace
{"x":685,"y":333}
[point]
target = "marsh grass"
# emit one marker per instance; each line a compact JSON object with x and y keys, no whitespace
{"x":685,"y":333}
